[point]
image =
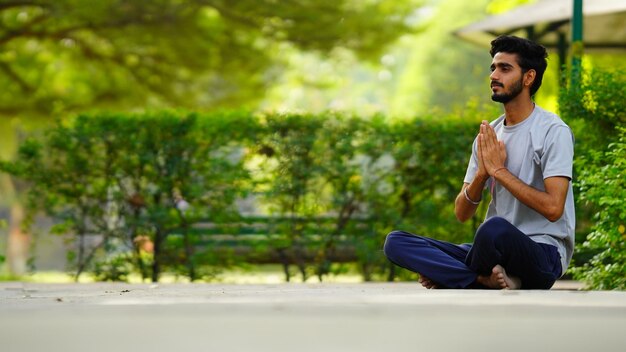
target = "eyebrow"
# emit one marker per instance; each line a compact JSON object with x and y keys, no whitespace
{"x":502,"y":65}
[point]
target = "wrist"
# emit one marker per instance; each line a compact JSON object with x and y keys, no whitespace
{"x":482,"y":177}
{"x":497,"y":170}
{"x":470,"y":200}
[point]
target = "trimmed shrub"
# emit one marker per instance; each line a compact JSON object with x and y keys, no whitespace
{"x":132,"y":188}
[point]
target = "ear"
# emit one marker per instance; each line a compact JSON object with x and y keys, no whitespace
{"x":529,"y":77}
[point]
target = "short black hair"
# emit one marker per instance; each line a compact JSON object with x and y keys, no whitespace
{"x":531,"y":56}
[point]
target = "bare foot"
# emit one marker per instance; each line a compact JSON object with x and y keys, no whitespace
{"x":500,"y":280}
{"x":426,"y":282}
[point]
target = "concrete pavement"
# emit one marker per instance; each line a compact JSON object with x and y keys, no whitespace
{"x":305,"y":317}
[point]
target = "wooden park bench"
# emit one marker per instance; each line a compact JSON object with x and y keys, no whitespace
{"x":280,"y":240}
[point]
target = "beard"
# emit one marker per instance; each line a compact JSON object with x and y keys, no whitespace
{"x":505,"y":97}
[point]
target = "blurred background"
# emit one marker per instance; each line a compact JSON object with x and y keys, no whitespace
{"x":381,"y":95}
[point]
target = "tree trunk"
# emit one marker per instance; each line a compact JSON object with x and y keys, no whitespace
{"x":392,"y":272}
{"x":140,"y":264}
{"x":191,"y":268}
{"x":81,"y":255}
{"x":137,"y":244}
{"x":18,"y":243}
{"x":285,"y":263}
{"x":156,"y":265}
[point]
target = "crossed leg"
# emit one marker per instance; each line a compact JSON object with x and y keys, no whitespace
{"x":440,"y":264}
{"x":497,"y":245}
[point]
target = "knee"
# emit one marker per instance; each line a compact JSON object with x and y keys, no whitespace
{"x":393,"y":244}
{"x":491,"y":231}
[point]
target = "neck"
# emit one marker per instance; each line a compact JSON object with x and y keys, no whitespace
{"x":518,"y":110}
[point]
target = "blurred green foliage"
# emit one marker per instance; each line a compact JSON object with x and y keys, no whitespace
{"x":597,"y":114}
{"x":135,"y":179}
{"x":72,"y":55}
{"x":124,"y":176}
{"x":605,"y":188}
{"x":442,"y":71}
{"x":429,"y":72}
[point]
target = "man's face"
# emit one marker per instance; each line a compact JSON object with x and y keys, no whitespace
{"x":506,"y":77}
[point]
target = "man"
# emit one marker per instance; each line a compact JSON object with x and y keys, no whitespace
{"x":524,"y":160}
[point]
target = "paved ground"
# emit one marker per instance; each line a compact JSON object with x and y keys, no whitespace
{"x":298,"y":317}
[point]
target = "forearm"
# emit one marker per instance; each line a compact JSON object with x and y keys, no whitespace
{"x":463,"y":208}
{"x":546,"y":204}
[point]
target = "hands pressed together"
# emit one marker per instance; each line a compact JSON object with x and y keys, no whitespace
{"x":491,"y":151}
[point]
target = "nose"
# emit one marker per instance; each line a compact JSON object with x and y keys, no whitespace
{"x":493,"y":76}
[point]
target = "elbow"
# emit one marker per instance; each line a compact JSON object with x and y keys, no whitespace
{"x":554,"y":214}
{"x":462,"y":217}
{"x":461,"y":212}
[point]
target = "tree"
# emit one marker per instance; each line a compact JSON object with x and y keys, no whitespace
{"x":60,"y":55}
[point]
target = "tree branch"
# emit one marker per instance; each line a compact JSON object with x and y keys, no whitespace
{"x":26,"y":28}
{"x":24,"y":86}
{"x":19,"y":3}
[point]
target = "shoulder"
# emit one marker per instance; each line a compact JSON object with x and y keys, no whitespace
{"x":547,"y":123}
{"x":546,"y":120}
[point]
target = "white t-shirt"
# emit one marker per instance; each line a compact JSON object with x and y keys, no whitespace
{"x":539,"y":147}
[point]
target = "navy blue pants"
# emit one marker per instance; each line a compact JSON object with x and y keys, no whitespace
{"x":496,"y":241}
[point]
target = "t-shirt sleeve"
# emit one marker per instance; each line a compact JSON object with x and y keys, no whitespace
{"x":558,"y":156}
{"x":472,"y":166}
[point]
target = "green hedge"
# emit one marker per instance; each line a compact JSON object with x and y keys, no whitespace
{"x":123,"y":176}
{"x":596,"y":111}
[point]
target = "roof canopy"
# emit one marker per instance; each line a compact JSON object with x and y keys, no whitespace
{"x":546,"y":20}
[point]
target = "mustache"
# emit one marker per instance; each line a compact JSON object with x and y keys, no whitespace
{"x":497,"y":84}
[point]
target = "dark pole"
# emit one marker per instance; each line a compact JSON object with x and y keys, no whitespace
{"x":562,"y":50}
{"x":577,"y":41}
